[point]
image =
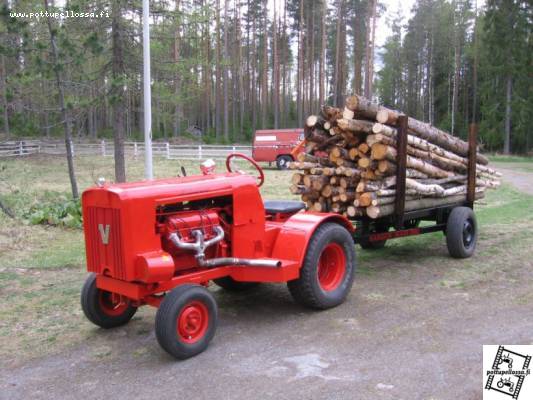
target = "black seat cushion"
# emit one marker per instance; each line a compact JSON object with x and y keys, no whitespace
{"x":283,"y":206}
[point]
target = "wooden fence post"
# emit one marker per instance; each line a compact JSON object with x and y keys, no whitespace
{"x":135,"y":150}
{"x":167,"y":149}
{"x":103,"y":147}
{"x":21,"y":149}
{"x":200,"y":152}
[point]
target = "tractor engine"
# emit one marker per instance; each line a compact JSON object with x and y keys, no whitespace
{"x":180,"y":231}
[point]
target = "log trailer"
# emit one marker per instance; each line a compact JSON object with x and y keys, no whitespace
{"x":457,"y":221}
{"x":161,"y":242}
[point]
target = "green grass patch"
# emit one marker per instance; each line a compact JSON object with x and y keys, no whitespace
{"x":510,"y":159}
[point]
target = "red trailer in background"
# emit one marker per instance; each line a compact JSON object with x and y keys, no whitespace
{"x":276,"y":145}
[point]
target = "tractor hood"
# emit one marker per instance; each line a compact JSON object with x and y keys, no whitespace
{"x":161,"y":191}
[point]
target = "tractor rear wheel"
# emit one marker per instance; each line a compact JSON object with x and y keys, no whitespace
{"x":231,"y":285}
{"x":328,"y":270}
{"x":105,"y":309}
{"x":186,"y":321}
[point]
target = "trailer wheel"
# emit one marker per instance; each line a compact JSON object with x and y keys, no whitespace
{"x":231,"y":285}
{"x":105,"y":309}
{"x":327,"y":273}
{"x":461,"y":232}
{"x":282,"y":162}
{"x":186,"y":321}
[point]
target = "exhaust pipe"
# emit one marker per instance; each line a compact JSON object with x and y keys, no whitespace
{"x":200,"y":245}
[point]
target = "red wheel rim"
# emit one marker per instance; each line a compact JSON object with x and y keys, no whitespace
{"x":112,"y":304}
{"x":192,"y":322}
{"x":331,"y":267}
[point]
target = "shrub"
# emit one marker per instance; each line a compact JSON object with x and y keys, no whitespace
{"x":65,"y":213}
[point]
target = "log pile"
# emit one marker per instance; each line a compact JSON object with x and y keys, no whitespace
{"x":349,"y":163}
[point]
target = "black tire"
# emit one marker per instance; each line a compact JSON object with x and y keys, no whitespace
{"x":308,"y":289}
{"x":375,"y":245}
{"x":282,"y":162}
{"x":176,"y":305}
{"x":98,"y":307}
{"x":231,"y":285}
{"x":461,"y":232}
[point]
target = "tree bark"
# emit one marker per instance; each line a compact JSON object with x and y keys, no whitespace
{"x":264,"y":73}
{"x":62,"y":106}
{"x":176,"y":74}
{"x":3,"y":83}
{"x":322,"y":59}
{"x":218,"y":75}
{"x":381,"y":211}
{"x":118,"y":72}
{"x":508,"y":99}
{"x":275,"y":72}
{"x":225,"y":62}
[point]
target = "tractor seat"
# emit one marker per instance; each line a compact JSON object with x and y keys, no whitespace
{"x":283,"y":206}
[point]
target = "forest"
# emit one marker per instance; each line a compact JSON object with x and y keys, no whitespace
{"x":228,"y":67}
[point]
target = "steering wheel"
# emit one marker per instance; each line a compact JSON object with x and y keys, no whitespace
{"x":229,"y":165}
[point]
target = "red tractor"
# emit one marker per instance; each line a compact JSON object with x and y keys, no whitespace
{"x":160,"y":243}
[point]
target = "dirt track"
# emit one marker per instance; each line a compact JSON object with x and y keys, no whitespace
{"x":412,"y":328}
{"x":523,"y":181}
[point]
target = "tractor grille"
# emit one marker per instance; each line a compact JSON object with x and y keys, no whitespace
{"x":104,"y":241}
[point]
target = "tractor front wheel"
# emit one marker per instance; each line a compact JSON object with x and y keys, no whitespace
{"x":327,"y":273}
{"x":105,"y":309}
{"x":186,"y":321}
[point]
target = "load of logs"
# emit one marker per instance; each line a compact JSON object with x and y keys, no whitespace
{"x":349,"y":163}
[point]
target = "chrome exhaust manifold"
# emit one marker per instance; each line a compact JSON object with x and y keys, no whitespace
{"x":201,"y":244}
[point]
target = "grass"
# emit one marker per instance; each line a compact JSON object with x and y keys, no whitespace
{"x":510,"y":159}
{"x":519,"y":163}
{"x":42,"y":268}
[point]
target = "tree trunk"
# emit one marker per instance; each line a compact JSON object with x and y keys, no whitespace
{"x":508,"y":99}
{"x":64,"y":113}
{"x":3,"y":83}
{"x":455,"y":90}
{"x":118,"y":71}
{"x":218,"y":74}
{"x":176,"y":124}
{"x":358,"y":51}
{"x":337,"y":76}
{"x":322,"y":59}
{"x":240,"y":77}
{"x":311,"y":60}
{"x":207,"y":71}
{"x":264,"y":73}
{"x":275,"y":72}
{"x":226,"y":75}
{"x":371,"y":10}
{"x":299,"y":78}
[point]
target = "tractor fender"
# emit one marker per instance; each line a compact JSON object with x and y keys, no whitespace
{"x":295,"y":234}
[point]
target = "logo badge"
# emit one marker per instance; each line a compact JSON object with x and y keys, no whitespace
{"x":507,"y":372}
{"x":104,"y":233}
